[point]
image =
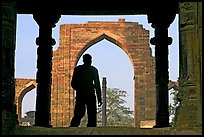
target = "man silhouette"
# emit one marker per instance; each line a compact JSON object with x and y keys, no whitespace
{"x":86,"y":82}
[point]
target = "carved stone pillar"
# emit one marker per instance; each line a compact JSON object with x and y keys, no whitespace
{"x":44,"y":65}
{"x":9,"y":117}
{"x":189,"y":112}
{"x":161,"y":20}
{"x":161,"y":42}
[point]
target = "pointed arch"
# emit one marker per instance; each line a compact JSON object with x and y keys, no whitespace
{"x":115,"y":39}
{"x":23,"y":86}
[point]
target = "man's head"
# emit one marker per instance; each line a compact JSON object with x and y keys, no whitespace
{"x":87,"y":59}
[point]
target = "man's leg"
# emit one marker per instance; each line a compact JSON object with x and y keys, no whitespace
{"x":79,"y":112}
{"x":91,"y":111}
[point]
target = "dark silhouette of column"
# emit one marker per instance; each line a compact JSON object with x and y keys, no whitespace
{"x":161,"y":20}
{"x":161,"y":42}
{"x":8,"y":46}
{"x":104,"y":86}
{"x":44,"y":65}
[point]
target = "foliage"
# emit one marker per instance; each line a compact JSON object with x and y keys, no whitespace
{"x":116,"y":113}
{"x":172,"y":107}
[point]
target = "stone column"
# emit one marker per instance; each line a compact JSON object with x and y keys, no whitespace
{"x":44,"y":65}
{"x":189,"y":112}
{"x":161,"y":42}
{"x":161,"y":20}
{"x":9,"y":117}
{"x":104,"y":118}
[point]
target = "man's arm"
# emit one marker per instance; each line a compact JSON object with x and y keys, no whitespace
{"x":98,"y":88}
{"x":74,"y":80}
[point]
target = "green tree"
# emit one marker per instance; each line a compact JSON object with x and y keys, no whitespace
{"x":118,"y":115}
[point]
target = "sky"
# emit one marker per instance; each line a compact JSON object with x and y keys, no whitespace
{"x":111,"y":61}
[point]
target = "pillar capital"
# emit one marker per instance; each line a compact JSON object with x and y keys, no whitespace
{"x":48,"y":19}
{"x":163,"y":14}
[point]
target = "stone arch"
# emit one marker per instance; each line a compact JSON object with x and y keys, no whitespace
{"x":23,"y":86}
{"x":131,"y":37}
{"x":99,"y":37}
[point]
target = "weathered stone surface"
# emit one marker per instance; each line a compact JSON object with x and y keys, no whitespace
{"x":8,"y":46}
{"x":189,"y":113}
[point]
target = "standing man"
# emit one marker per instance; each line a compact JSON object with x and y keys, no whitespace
{"x":86,"y":82}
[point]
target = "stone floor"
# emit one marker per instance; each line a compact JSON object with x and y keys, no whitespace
{"x":105,"y":131}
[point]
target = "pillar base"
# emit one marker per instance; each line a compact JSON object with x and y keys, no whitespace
{"x":161,"y":126}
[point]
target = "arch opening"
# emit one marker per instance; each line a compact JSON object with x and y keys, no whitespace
{"x":118,"y":74}
{"x":25,"y":100}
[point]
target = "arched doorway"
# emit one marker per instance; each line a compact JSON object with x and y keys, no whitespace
{"x":23,"y":86}
{"x":113,"y":64}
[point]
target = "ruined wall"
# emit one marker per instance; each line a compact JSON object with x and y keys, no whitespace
{"x":75,"y":39}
